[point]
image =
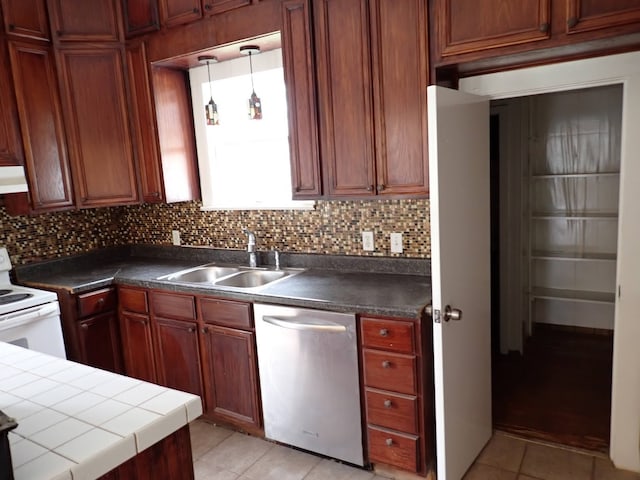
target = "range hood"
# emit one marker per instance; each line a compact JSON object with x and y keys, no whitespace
{"x":12,"y":179}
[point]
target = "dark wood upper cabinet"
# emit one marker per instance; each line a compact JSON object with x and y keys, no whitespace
{"x":85,"y":21}
{"x":588,"y":15}
{"x":140,"y":16}
{"x":26,"y":18}
{"x":343,"y":62}
{"x":97,"y":120}
{"x":297,"y":52}
{"x":212,"y":7}
{"x":174,"y":118}
{"x":40,"y":114}
{"x":372,"y":79}
{"x":177,"y":12}
{"x":465,"y":26}
{"x":10,"y":141}
{"x":400,"y":66}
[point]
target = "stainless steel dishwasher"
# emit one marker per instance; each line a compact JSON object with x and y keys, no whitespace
{"x":308,"y":362}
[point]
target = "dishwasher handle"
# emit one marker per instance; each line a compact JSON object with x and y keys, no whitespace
{"x":328,"y":327}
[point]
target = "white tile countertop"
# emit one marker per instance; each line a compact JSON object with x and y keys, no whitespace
{"x":79,"y":422}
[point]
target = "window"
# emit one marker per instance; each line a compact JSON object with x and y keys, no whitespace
{"x":244,"y":164}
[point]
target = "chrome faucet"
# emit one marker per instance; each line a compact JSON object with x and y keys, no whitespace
{"x":251,"y":247}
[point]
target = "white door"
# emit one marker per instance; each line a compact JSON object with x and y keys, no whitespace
{"x":460,"y":269}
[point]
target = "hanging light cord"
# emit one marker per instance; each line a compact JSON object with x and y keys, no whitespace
{"x":209,"y":74}
{"x":251,"y":70}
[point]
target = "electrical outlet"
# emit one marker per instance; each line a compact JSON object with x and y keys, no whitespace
{"x":396,"y":242}
{"x":175,"y":237}
{"x":367,"y":241}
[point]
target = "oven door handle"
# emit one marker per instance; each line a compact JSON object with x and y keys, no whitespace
{"x":24,"y":318}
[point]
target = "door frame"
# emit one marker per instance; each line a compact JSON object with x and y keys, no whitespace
{"x":613,"y":69}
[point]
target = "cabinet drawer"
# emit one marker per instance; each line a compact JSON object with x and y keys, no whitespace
{"x":395,"y":335}
{"x":98,"y":301}
{"x":390,"y":371}
{"x":394,"y":448}
{"x":226,"y":313}
{"x":133,"y":300}
{"x":173,"y":305}
{"x":392,"y":410}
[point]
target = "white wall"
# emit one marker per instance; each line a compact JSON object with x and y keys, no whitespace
{"x":625,"y":69}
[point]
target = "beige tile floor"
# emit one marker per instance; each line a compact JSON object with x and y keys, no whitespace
{"x":222,"y":454}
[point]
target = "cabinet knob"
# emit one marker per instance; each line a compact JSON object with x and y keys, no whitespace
{"x":387,"y":403}
{"x":386,"y":364}
{"x":84,"y":325}
{"x":572,"y":22}
{"x":544,"y":27}
{"x":192,"y":329}
{"x":381,"y":187}
{"x":208,"y":6}
{"x":384,"y":332}
{"x":370,"y":188}
{"x":205,"y":330}
{"x":100,"y":301}
{"x":389,"y":442}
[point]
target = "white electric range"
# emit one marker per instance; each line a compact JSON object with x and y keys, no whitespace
{"x":29,"y":317}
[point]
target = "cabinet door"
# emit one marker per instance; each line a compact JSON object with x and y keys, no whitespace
{"x":144,"y":122}
{"x":137,"y":346}
{"x":230,"y":375}
{"x":301,"y":98}
{"x":100,"y":343}
{"x":140,"y":16}
{"x":212,"y":7}
{"x":345,"y":96}
{"x":178,"y":355}
{"x":174,"y":116}
{"x":26,"y":18}
{"x":586,"y":15}
{"x":97,"y":121}
{"x":10,"y":141}
{"x":400,"y":93}
{"x":465,"y":26}
{"x":83,"y":21}
{"x":42,"y":128}
{"x":176,"y":12}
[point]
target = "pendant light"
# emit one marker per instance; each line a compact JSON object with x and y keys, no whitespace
{"x":255,"y":105}
{"x":210,"y":109}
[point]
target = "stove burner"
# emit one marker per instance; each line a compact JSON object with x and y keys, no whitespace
{"x":4,"y":291}
{"x":14,"y":297}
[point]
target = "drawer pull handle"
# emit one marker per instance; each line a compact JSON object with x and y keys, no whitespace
{"x":389,"y":442}
{"x":386,"y":364}
{"x":387,"y":403}
{"x":384,"y":332}
{"x":100,"y":302}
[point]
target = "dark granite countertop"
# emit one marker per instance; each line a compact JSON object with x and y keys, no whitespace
{"x":381,"y":286}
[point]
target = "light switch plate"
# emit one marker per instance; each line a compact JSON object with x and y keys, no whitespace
{"x":367,"y":241}
{"x":396,"y":242}
{"x":175,"y":237}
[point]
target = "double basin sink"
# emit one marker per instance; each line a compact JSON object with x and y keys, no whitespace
{"x":231,"y":277}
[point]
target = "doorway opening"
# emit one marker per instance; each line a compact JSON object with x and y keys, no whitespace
{"x":555,"y":161}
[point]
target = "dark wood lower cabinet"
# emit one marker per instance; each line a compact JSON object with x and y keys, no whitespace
{"x":231,"y":375}
{"x":137,"y":346}
{"x":178,"y":355}
{"x":99,"y":342}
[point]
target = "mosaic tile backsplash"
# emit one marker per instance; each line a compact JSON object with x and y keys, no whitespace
{"x":333,"y":227}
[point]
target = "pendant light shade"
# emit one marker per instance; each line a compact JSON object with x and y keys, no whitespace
{"x":255,"y":104}
{"x":210,"y":109}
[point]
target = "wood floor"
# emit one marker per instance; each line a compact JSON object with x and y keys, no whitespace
{"x":559,"y":390}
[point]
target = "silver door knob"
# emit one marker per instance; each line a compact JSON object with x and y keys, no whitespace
{"x":389,"y":442}
{"x":452,"y":313}
{"x":387,"y":403}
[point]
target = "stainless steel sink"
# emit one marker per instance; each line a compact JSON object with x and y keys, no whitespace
{"x":230,"y":277}
{"x":252,"y":279}
{"x":205,"y":274}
